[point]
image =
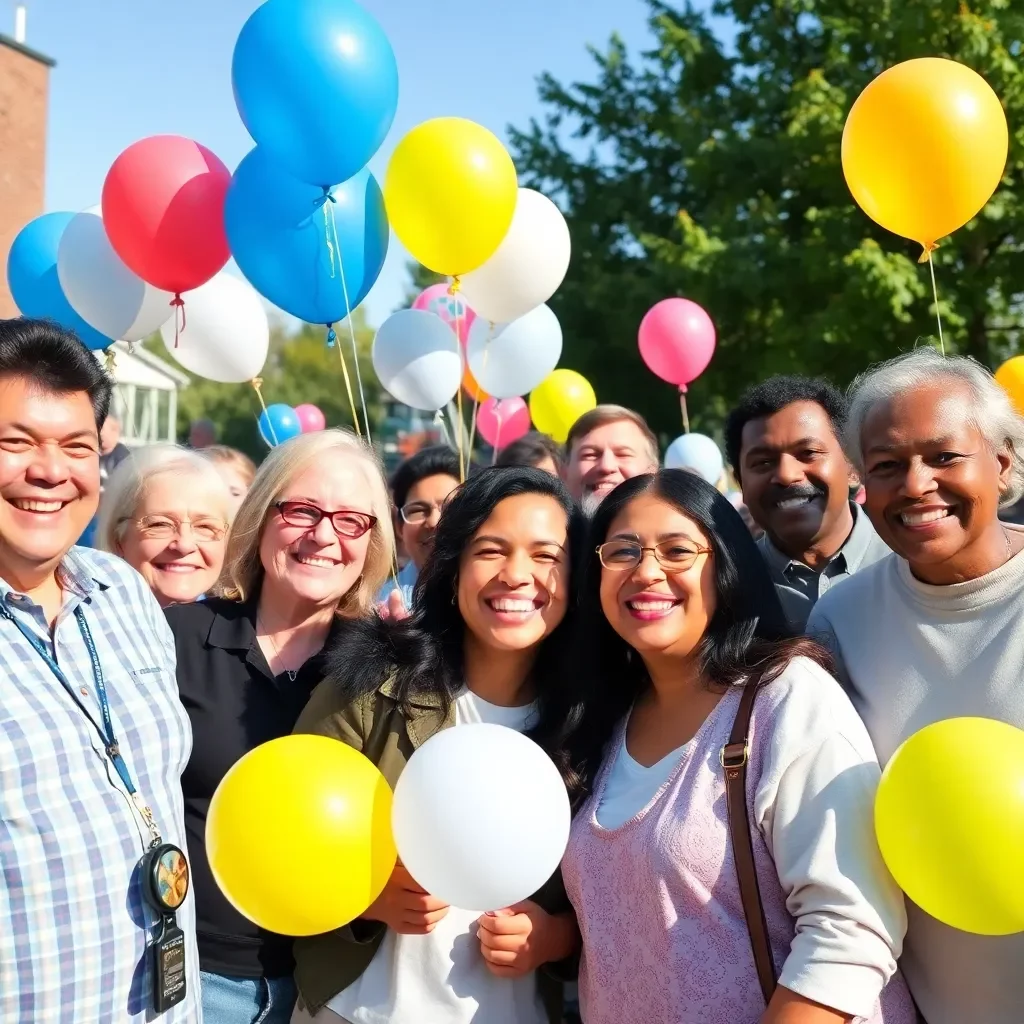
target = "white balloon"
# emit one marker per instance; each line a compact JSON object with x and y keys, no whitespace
{"x":417,"y":360}
{"x":699,"y":454}
{"x":226,"y":334}
{"x":512,"y":359}
{"x":480,"y":817}
{"x":527,"y":267}
{"x":101,"y":289}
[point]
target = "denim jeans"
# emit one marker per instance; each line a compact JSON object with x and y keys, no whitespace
{"x":228,"y":1000}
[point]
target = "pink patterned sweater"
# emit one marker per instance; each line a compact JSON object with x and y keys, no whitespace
{"x":664,"y":936}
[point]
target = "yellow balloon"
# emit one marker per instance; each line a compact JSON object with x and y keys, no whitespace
{"x":559,"y":401}
{"x":1011,"y":377}
{"x":949,"y":816}
{"x":298,"y":835}
{"x":924,"y":148}
{"x":450,"y":192}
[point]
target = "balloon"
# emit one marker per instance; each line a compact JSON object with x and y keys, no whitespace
{"x":559,"y":401}
{"x":677,"y":340}
{"x":107,"y":295}
{"x":163,"y":208}
{"x":450,"y":192}
{"x":480,"y":817}
{"x":318,"y":852}
{"x":949,"y":816}
{"x":924,"y":147}
{"x":226,"y":335}
{"x":1011,"y":377}
{"x":528,"y":266}
{"x":512,"y":359}
{"x":33,"y":280}
{"x":278,"y":423}
{"x":697,"y":453}
{"x":310,"y":418}
{"x":316,"y":85}
{"x":450,"y":308}
{"x":416,"y":358}
{"x":470,"y":385}
{"x":503,"y":420}
{"x":282,"y":236}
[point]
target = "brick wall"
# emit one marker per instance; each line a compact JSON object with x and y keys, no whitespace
{"x":24,"y":80}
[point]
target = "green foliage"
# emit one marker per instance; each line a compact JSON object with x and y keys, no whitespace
{"x":300,"y":368}
{"x":419,"y":279}
{"x":712,"y":171}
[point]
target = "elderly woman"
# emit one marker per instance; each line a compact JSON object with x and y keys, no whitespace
{"x":165,"y":511}
{"x":309,"y":548}
{"x":933,"y":631}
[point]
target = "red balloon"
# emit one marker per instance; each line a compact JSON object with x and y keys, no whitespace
{"x":163,"y":209}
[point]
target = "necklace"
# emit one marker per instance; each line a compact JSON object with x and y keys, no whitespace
{"x":291,"y":673}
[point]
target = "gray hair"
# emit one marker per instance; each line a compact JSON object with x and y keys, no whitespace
{"x":991,"y":412}
{"x":127,"y":484}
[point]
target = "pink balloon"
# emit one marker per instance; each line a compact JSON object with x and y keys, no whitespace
{"x":502,"y":421}
{"x":677,"y":340}
{"x":310,"y":418}
{"x":449,"y":308}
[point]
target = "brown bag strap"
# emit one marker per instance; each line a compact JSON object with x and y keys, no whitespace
{"x":734,"y":760}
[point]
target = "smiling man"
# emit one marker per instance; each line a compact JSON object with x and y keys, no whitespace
{"x":605,"y":446}
{"x":783,"y":441}
{"x":93,"y":738}
{"x":935,"y":630}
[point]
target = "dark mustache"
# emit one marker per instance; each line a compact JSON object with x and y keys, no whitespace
{"x":779,"y":494}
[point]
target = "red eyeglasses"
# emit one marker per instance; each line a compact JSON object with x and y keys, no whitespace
{"x":346,"y":523}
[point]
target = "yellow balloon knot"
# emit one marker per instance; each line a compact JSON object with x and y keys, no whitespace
{"x":455,"y":287}
{"x":926,"y":251}
{"x":257,"y":382}
{"x":109,"y":360}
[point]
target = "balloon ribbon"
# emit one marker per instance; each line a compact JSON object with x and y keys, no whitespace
{"x":332,"y":338}
{"x":257,"y":385}
{"x":476,"y":394}
{"x":935,"y":295}
{"x":453,"y":291}
{"x":682,"y":406}
{"x":179,"y":316}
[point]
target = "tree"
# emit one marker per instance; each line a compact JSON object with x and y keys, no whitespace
{"x":712,"y":170}
{"x":419,"y":279}
{"x":300,"y":368}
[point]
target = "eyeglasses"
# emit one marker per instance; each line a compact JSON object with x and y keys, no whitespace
{"x":417,"y":512}
{"x":346,"y":523}
{"x":626,"y":555}
{"x":162,"y":527}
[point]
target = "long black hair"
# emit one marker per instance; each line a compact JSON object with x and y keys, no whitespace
{"x":747,"y":637}
{"x":424,"y":653}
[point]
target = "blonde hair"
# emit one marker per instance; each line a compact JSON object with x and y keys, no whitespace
{"x":127,"y":485}
{"x":222,"y":455}
{"x":243,"y":570}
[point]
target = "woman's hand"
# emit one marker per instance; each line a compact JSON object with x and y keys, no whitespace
{"x":787,"y":1007}
{"x":405,"y":907}
{"x":516,"y":941}
{"x":393,"y":608}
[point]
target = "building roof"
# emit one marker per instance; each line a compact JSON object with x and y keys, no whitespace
{"x":134,"y":365}
{"x":13,"y":44}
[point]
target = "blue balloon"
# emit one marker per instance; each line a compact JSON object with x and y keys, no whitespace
{"x":293,"y":240}
{"x":279,"y":423}
{"x":32,"y":277}
{"x":316,"y":84}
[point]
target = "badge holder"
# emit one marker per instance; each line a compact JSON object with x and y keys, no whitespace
{"x":165,"y":882}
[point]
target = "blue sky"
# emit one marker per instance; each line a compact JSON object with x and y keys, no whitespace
{"x":131,"y":68}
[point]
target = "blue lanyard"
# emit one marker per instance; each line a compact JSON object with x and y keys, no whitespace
{"x":106,"y":730}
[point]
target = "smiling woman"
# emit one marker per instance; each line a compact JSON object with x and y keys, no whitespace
{"x":309,"y":547}
{"x":486,"y":643}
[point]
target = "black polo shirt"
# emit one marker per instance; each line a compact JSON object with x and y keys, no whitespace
{"x":235,"y":704}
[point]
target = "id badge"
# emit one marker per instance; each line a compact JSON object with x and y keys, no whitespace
{"x":169,"y":986}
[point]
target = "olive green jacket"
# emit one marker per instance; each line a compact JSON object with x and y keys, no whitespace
{"x":387,"y":734}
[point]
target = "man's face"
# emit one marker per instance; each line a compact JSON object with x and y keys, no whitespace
{"x":795,"y":477}
{"x":49,"y":475}
{"x":932,"y":482}
{"x":110,"y":434}
{"x":601,"y":460}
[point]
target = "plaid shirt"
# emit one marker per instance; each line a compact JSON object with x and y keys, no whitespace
{"x":74,"y":927}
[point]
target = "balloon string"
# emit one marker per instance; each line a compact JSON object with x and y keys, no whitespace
{"x":497,"y":439}
{"x":332,"y":339}
{"x":935,"y":297}
{"x":179,"y":316}
{"x":348,"y":320}
{"x":453,"y":291}
{"x":440,"y":423}
{"x":476,"y":393}
{"x":257,"y":384}
{"x":685,"y":411}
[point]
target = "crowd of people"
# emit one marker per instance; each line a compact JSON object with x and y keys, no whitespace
{"x":717,"y":686}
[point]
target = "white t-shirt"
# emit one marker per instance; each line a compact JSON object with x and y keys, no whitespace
{"x":631,"y":786}
{"x":441,"y":978}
